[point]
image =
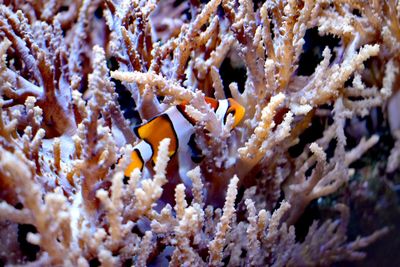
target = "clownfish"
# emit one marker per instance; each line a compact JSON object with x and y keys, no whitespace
{"x":176,"y":124}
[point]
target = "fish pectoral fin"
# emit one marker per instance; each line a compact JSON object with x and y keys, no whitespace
{"x":136,"y":163}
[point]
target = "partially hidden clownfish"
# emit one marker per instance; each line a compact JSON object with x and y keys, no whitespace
{"x":176,"y":124}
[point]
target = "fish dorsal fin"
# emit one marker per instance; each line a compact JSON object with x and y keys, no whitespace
{"x":155,"y":130}
{"x":182,"y":108}
{"x":213,"y":102}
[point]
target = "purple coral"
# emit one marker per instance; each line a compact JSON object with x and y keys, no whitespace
{"x":76,"y":76}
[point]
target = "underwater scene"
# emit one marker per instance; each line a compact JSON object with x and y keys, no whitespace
{"x":200,"y":133}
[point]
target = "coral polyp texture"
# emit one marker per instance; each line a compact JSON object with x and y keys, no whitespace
{"x":304,"y":171}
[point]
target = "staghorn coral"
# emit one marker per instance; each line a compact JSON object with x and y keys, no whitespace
{"x":76,"y":76}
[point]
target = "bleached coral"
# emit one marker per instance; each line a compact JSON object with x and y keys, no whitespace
{"x":73,"y":72}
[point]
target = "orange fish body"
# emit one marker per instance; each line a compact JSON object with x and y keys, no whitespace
{"x":178,"y":126}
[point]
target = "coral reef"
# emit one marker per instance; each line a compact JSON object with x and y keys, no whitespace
{"x":77,"y":76}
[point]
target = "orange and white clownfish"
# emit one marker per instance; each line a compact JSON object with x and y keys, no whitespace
{"x":176,"y":124}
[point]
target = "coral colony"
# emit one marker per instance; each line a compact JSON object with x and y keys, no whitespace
{"x":194,"y":133}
